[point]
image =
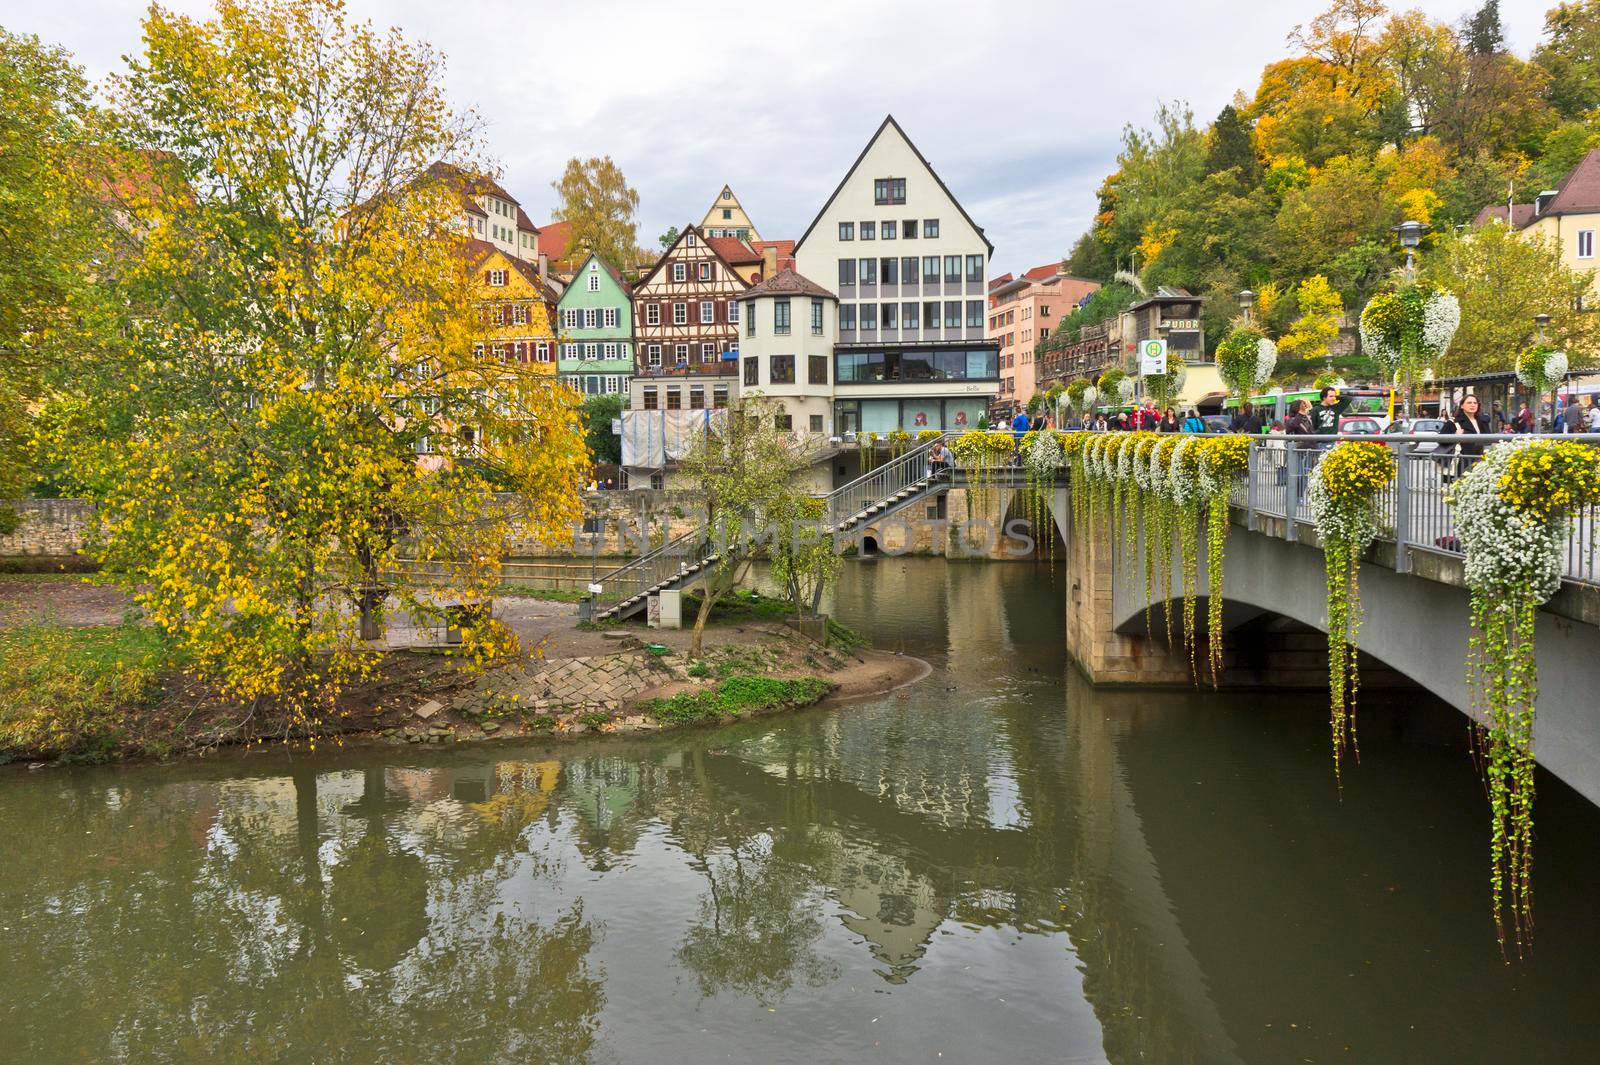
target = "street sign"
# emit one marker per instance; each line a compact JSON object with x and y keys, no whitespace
{"x":1152,"y":358}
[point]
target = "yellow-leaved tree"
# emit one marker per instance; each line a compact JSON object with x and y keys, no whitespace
{"x":292,"y":410}
{"x":1317,"y":327}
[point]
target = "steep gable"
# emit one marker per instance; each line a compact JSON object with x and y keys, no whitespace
{"x":883,"y":153}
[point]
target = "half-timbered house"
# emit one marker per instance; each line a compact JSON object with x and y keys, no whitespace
{"x":686,"y":328}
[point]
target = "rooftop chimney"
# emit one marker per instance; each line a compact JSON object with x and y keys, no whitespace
{"x":769,"y":261}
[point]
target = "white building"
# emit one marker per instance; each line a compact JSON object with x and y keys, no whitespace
{"x":786,"y":346}
{"x":909,"y":266}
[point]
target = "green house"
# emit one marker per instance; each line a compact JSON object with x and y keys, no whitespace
{"x":596,"y":330}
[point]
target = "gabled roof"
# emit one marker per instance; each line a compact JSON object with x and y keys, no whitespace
{"x":645,"y":277}
{"x":524,"y":222}
{"x":1520,"y":214}
{"x":1003,"y":279}
{"x":784,"y":249}
{"x":554,"y":240}
{"x":789,"y":283}
{"x":734,"y":250}
{"x":480,"y":250}
{"x":888,"y":120}
{"x":583,"y":268}
{"x":1579,"y":191}
{"x":1043,"y":273}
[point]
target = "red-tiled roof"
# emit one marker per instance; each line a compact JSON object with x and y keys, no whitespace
{"x":1521,"y":216}
{"x":789,"y":283}
{"x":479,"y":250}
{"x":784,"y":248}
{"x":554,"y":239}
{"x":1003,"y":279}
{"x":734,"y":250}
{"x":1042,"y":273}
{"x":524,"y":222}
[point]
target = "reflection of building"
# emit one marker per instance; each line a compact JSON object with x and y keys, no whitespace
{"x":1568,"y":215}
{"x":1022,"y":314}
{"x":908,"y":265}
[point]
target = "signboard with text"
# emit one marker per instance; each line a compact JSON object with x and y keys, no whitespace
{"x":1152,"y":358}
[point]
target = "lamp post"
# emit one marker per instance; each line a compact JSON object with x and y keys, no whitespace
{"x":1247,"y":300}
{"x":1541,"y":321}
{"x":1410,"y":232}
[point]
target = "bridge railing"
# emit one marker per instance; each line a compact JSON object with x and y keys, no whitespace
{"x":1413,"y":511}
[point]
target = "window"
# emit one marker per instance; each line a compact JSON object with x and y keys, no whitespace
{"x":891,"y":271}
{"x":908,"y":229}
{"x":888,"y":231}
{"x":782,"y":370}
{"x":817,"y":370}
{"x":680,"y":272}
{"x":680,"y":314}
{"x":908,"y":315}
{"x":930,"y":314}
{"x":674,"y":398}
{"x":519,"y":314}
{"x":708,"y":312}
{"x":708,"y":352}
{"x":847,"y":231}
{"x":891,"y":313}
{"x":749,"y":320}
{"x":705,"y":271}
{"x":594,"y":282}
{"x":816,"y":317}
{"x":782,"y":422}
{"x":591,"y":351}
{"x":847,"y":272}
{"x":688,"y":239}
{"x":719,"y":396}
{"x":650,"y":398}
{"x":974,"y":269}
{"x":727,"y":214}
{"x":816,"y":419}
{"x":752,"y":371}
{"x":869,"y":271}
{"x":652,"y":314}
{"x":569,"y":319}
{"x":780,"y":316}
{"x":611,"y":317}
{"x":609,"y":350}
{"x":847,"y":317}
{"x":591,"y":318}
{"x":930,"y":228}
{"x":869,"y":230}
{"x":658,"y":480}
{"x":652,"y":355}
{"x":974,"y":314}
{"x":889,"y":190}
{"x":733,"y":312}
{"x":930,"y":269}
{"x":497,"y":278}
{"x":1586,"y":244}
{"x":697,"y":397}
{"x":952,"y":314}
{"x":952,"y":269}
{"x":908,"y":270}
{"x":681,"y":354}
{"x":869,"y":316}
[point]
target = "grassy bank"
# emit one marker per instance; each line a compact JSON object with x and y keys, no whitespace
{"x":69,"y":688}
{"x":735,"y":697}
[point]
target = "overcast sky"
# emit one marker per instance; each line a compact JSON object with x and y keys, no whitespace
{"x":1019,"y":110}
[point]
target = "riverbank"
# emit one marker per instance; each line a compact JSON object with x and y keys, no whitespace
{"x":90,"y":683}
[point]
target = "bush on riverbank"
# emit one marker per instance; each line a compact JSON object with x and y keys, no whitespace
{"x":737,"y":696}
{"x":68,"y":687}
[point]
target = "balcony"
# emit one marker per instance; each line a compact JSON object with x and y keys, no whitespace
{"x":723,"y":368}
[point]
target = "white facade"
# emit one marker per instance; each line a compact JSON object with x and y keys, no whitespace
{"x":786,"y":352}
{"x":910,"y":270}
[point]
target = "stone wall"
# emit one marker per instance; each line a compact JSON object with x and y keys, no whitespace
{"x":51,"y":536}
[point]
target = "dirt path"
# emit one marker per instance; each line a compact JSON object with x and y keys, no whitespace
{"x":65,"y":601}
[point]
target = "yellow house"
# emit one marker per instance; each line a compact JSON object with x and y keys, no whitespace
{"x":1569,"y":215}
{"x":517,"y":308}
{"x":726,"y":218}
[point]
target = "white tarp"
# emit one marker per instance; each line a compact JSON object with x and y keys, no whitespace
{"x":653,"y":438}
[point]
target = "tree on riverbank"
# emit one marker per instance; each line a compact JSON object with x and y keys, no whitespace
{"x":298,"y":330}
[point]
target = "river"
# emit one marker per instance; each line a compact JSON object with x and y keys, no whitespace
{"x":996,"y":865}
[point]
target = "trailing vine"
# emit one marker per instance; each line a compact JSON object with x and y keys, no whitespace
{"x":1246,"y":359}
{"x":1183,"y":483}
{"x":1162,"y":518}
{"x":1221,"y":461}
{"x":1512,"y":511}
{"x":1409,"y":328}
{"x":1343,"y":490}
{"x":1542,"y":368}
{"x":1042,"y":458}
{"x":981,"y":453}
{"x":866,"y":449}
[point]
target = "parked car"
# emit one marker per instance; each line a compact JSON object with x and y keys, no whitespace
{"x":1415,"y":427}
{"x":1359,"y":425}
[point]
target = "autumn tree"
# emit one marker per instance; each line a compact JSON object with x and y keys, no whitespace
{"x":597,"y":201}
{"x":299,"y":328}
{"x":1503,"y":279}
{"x":46,"y":222}
{"x":1570,"y":56}
{"x":1318,"y":324}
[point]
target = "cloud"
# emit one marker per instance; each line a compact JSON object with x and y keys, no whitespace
{"x":1019,"y":105}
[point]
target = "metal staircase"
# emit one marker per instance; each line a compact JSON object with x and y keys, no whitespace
{"x":896,"y":484}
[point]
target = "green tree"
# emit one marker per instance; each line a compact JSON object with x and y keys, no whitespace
{"x":1231,"y":147}
{"x":298,"y":326}
{"x":1503,"y":279}
{"x":669,"y":238}
{"x":1571,"y":57}
{"x":1318,"y":325}
{"x":45,"y":220}
{"x":598,"y":414}
{"x":599,"y":203}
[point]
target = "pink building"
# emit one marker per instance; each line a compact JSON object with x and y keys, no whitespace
{"x":1023,"y":311}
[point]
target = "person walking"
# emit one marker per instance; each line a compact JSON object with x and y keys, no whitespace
{"x":1591,"y":416}
{"x":1325,"y":417}
{"x":1019,"y":425}
{"x":1523,"y":422}
{"x":1572,"y":416}
{"x":1246,"y":420}
{"x":1299,"y":423}
{"x":1470,"y":419}
{"x":1193,"y":423}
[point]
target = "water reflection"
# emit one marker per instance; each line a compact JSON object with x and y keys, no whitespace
{"x":999,"y":864}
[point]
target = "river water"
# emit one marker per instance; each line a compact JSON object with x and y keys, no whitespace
{"x":997,"y":865}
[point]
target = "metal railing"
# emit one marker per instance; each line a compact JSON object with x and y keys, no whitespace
{"x":1413,"y":511}
{"x":878,"y":485}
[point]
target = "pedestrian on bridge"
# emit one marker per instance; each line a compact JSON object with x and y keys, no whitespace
{"x":938,"y":460}
{"x":1169,"y":422}
{"x":1468,"y":418}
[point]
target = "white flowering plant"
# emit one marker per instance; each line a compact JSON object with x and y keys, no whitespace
{"x":1409,"y":328}
{"x":1542,"y":368}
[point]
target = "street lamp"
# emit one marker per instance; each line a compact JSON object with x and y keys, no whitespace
{"x":1540,"y":321}
{"x":1410,"y":236}
{"x":1247,"y":300}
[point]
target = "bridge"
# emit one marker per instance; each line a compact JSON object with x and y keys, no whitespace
{"x":1413,"y":586}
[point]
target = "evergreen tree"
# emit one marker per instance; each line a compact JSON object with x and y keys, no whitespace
{"x":1484,"y":34}
{"x":1231,"y":147}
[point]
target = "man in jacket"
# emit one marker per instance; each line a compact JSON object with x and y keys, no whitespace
{"x":1572,"y":416}
{"x":1326,"y":414}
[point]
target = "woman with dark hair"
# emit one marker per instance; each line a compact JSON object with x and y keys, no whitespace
{"x":1169,"y":422}
{"x":1470,"y":419}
